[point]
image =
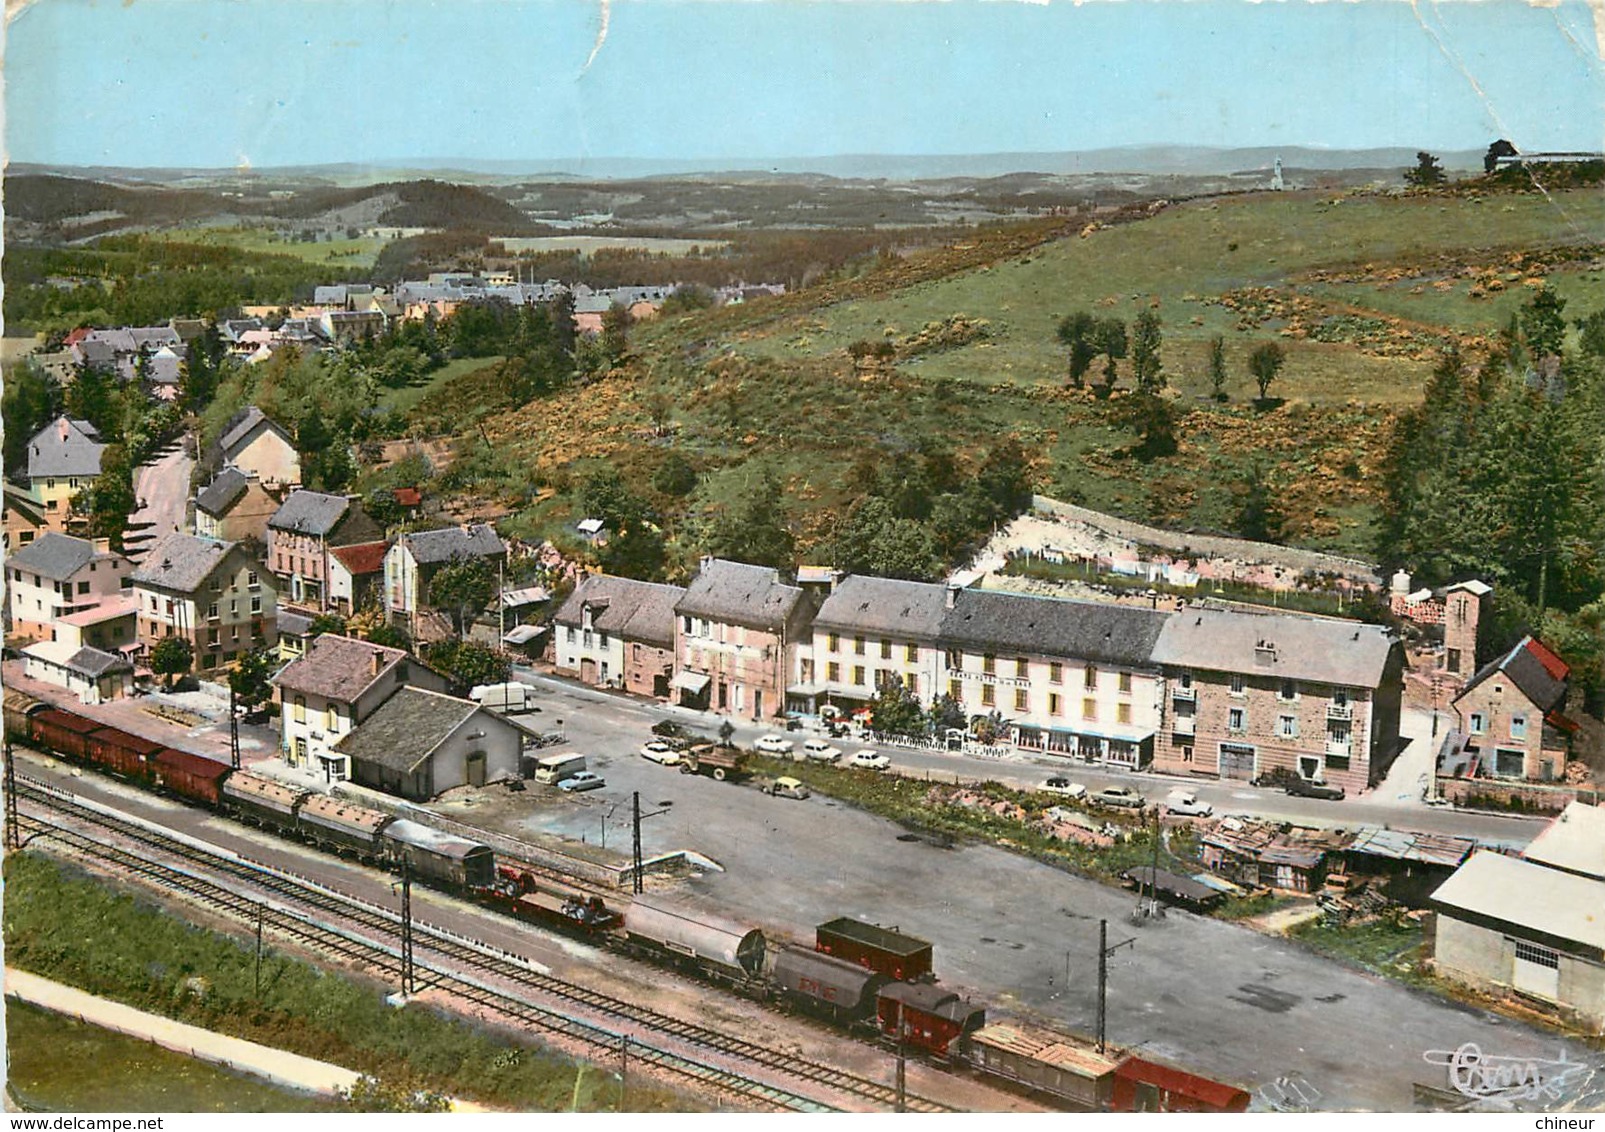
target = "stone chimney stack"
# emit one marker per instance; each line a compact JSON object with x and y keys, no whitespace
{"x":378,"y":660}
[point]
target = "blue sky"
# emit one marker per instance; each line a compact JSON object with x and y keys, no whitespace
{"x":278,"y":82}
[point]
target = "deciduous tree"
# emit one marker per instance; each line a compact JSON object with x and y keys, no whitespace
{"x":1265,"y":363}
{"x":171,"y":657}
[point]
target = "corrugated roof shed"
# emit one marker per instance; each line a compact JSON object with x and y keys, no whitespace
{"x":1406,"y":845}
{"x":1525,"y":895}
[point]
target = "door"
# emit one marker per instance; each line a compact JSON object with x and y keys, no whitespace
{"x":300,"y":752}
{"x":587,"y":670}
{"x":1537,"y":971}
{"x":476,"y":768}
{"x":1236,"y":761}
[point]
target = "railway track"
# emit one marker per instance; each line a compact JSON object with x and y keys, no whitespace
{"x":478,"y":957}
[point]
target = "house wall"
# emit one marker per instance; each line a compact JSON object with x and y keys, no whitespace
{"x":56,"y":492}
{"x":300,"y":561}
{"x":648,"y":669}
{"x":1485,"y":957}
{"x":36,"y":602}
{"x":273,"y":458}
{"x":401,"y":580}
{"x":747,"y":666}
{"x":245,"y":601}
{"x":481,"y":731}
{"x":583,"y":653}
{"x":107,"y":635}
{"x":880,"y":657}
{"x":1500,"y":704}
{"x":310,"y":725}
{"x":247,"y":519}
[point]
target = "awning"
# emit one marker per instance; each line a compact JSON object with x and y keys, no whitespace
{"x":1108,"y":731}
{"x":693,"y":682}
{"x":807,"y":690}
{"x":523,"y":634}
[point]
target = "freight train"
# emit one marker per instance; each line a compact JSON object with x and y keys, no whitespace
{"x":858,"y":976}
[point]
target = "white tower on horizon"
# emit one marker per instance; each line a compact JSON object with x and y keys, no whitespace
{"x":1276,"y":175}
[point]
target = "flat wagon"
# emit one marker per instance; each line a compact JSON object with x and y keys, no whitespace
{"x":190,"y":776}
{"x":841,"y":991}
{"x":342,"y":826}
{"x":891,"y":952}
{"x":714,"y":946}
{"x":452,"y":862}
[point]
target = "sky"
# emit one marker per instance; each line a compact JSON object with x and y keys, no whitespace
{"x":261,"y":83}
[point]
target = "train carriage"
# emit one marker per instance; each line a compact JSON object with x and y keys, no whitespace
{"x":342,"y":826}
{"x":928,"y":1017}
{"x":121,"y":752}
{"x":1149,"y":1086}
{"x":842,"y":991}
{"x":263,"y":800}
{"x":194,"y":777}
{"x":20,"y":709}
{"x":1071,"y":1072}
{"x":439,"y":857}
{"x":887,"y":950}
{"x":716,"y":947}
{"x":64,"y":733}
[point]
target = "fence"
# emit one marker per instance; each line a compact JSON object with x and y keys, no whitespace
{"x":1518,"y":797}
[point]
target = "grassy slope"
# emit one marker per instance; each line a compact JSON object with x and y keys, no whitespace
{"x":360,"y":252}
{"x":772,"y":386}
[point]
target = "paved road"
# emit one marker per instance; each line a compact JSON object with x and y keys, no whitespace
{"x":161,"y":492}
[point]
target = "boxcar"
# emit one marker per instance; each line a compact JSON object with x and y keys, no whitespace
{"x":452,"y":862}
{"x":716,"y":947}
{"x":19,"y":710}
{"x":886,"y":950}
{"x":339,"y":825}
{"x":840,"y":990}
{"x":64,"y":733}
{"x":928,"y":1017}
{"x":190,"y":776}
{"x":119,"y":751}
{"x":262,"y":800}
{"x":1147,"y":1086}
{"x":1055,"y":1064}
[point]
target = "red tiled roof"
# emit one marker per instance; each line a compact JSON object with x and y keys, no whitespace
{"x":362,"y":557}
{"x":408,"y":496}
{"x":77,"y":336}
{"x":1553,"y":664}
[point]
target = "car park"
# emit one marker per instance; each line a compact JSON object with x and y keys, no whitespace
{"x":1186,"y":803}
{"x":658,"y":751}
{"x":1064,"y":788}
{"x":821,"y":751}
{"x":869,"y":760}
{"x":787,"y":788}
{"x":582,"y":780}
{"x":1314,"y":788}
{"x":774,"y":745}
{"x":1122,"y":796}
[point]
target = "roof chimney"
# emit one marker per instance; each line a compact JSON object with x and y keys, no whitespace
{"x":378,"y":660}
{"x":102,"y":545}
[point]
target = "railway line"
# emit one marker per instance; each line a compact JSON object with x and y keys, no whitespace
{"x":321,"y":927}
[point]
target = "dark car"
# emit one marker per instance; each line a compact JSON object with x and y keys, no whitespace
{"x":1311,"y":788}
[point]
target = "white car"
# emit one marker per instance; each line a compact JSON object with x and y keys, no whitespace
{"x":1185,"y":802}
{"x":869,"y":760}
{"x":774,"y":745}
{"x":821,"y":751}
{"x":660,"y":752}
{"x":1064,"y":788}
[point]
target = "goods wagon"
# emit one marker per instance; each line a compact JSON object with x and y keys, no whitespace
{"x":887,"y":950}
{"x":262,"y":800}
{"x":64,"y":733}
{"x":117,"y":750}
{"x":568,"y":911}
{"x":715,"y":946}
{"x":1050,"y":1063}
{"x":838,"y":989}
{"x":928,"y":1017}
{"x":439,"y":857}
{"x":1147,"y":1086}
{"x":342,"y":826}
{"x":190,"y":776}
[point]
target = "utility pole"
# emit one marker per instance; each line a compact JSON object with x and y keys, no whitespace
{"x":637,"y":870}
{"x":261,"y":910}
{"x":233,"y":728}
{"x":407,"y":981}
{"x":624,"y":1071}
{"x":902,"y":1062}
{"x":1104,"y":951}
{"x":13,"y":834}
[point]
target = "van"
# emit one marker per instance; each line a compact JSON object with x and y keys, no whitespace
{"x":555,"y":768}
{"x":505,"y":698}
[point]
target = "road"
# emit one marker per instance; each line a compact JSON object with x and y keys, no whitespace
{"x":161,"y":492}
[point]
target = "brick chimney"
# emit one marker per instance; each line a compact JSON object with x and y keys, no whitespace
{"x":378,"y":660}
{"x":102,"y":545}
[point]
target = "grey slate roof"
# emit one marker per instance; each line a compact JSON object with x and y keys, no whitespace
{"x":1344,"y":653}
{"x":476,"y":541}
{"x":633,"y":611}
{"x":1017,"y":623}
{"x":53,"y":555}
{"x":94,"y":663}
{"x":309,"y":513}
{"x":181,"y":562}
{"x":223,"y":492}
{"x":739,"y":594}
{"x":340,"y":668}
{"x":65,"y":447}
{"x":292,"y":622}
{"x":1527,"y":673}
{"x":884,"y":606}
{"x":248,"y":420}
{"x":406,"y":728}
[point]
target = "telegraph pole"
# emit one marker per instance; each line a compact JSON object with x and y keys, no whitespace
{"x":902,"y":1062}
{"x":260,"y":910}
{"x":13,"y":834}
{"x":407,"y":981}
{"x":637,"y":869}
{"x":1104,"y":951}
{"x":233,"y":729}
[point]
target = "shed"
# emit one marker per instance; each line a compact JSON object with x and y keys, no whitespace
{"x":1180,"y":890}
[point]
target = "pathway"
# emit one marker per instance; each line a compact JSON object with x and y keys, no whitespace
{"x":161,"y":490}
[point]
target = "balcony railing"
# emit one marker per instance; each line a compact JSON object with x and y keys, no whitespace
{"x":1343,"y":748}
{"x":1180,"y":693}
{"x":1185,"y":725}
{"x":1340,"y":711}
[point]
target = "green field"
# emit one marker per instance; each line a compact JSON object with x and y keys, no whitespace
{"x":405,"y":399}
{"x":358,"y":253}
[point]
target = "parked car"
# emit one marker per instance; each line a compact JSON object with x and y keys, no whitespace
{"x":869,"y":760}
{"x":582,"y":780}
{"x":1185,"y":802}
{"x":1314,"y":788}
{"x":821,"y":751}
{"x":1064,"y":788}
{"x":788,"y":788}
{"x":774,"y":745}
{"x":660,"y":752}
{"x":1123,"y":796}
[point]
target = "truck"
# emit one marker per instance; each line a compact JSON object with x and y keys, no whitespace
{"x":554,"y":768}
{"x":509,"y":699}
{"x":712,"y":759}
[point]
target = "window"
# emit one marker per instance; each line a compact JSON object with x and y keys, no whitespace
{"x":1022,"y":700}
{"x":955,"y":660}
{"x":989,"y":664}
{"x":911,"y":682}
{"x":211,"y":612}
{"x":1125,"y":683}
{"x":1479,"y":725}
{"x":886,"y":650}
{"x":988,"y":695}
{"x":858,"y":646}
{"x":911,"y":653}
{"x":1454,"y":660}
{"x":1022,"y":669}
{"x":1340,"y":697}
{"x":1089,"y":708}
{"x":1186,"y":754}
{"x":685,"y":627}
{"x":211,"y":637}
{"x":1287,"y":726}
{"x":1089,"y":678}
{"x":601,"y":640}
{"x":300,"y":709}
{"x":1534,"y":953}
{"x":835,"y":642}
{"x":1510,"y":764}
{"x":858,"y":675}
{"x":1288,"y":691}
{"x":1518,"y":727}
{"x":1122,"y":713}
{"x":234,"y":607}
{"x":833,"y":672}
{"x":1236,"y":719}
{"x":256,"y":605}
{"x":1237,"y":685}
{"x":83,"y":587}
{"x":1055,"y":707}
{"x":333,"y":720}
{"x":955,"y":690}
{"x":1055,"y":672}
{"x":251,"y":579}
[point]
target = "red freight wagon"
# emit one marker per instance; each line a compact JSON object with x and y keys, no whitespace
{"x":886,"y":950}
{"x":190,"y":776}
{"x":65,"y":733}
{"x":119,"y":751}
{"x":928,"y":1016}
{"x":1147,"y":1086}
